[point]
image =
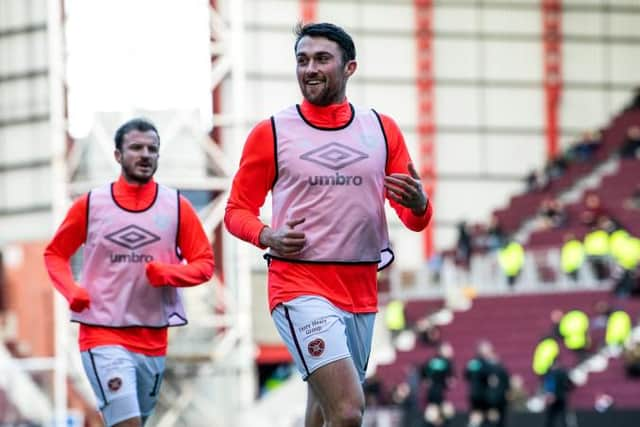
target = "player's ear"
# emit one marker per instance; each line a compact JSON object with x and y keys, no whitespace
{"x":350,"y":67}
{"x":117,"y":154}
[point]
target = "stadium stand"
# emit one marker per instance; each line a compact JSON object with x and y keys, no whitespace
{"x":524,"y":206}
{"x":514,"y":324}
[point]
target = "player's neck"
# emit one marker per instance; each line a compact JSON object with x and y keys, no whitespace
{"x":134,"y":185}
{"x":333,"y":115}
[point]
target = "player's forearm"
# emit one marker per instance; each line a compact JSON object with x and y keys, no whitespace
{"x":182,"y":275}
{"x":66,"y":241}
{"x":244,"y":224}
{"x":411,"y":220}
{"x":60,"y":273}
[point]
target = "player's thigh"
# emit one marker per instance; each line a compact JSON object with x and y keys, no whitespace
{"x":131,"y":422}
{"x":150,"y":372}
{"x":111,"y":371}
{"x":314,"y":332}
{"x":337,"y":386}
{"x":359,"y":330}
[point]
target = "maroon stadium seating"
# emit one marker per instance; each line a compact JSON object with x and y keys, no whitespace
{"x":514,"y":324}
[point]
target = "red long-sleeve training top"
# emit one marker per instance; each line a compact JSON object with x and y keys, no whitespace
{"x":71,"y":234}
{"x":350,"y":287}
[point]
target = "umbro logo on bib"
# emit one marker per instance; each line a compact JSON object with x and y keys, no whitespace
{"x":334,"y":156}
{"x":132,"y":237}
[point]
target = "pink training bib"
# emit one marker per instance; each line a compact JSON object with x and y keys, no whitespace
{"x":118,"y":246}
{"x":333,"y":178}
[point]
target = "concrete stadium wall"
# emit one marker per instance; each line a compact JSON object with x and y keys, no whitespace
{"x":25,"y":155}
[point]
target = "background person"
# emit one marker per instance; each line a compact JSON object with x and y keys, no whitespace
{"x":557,"y":386}
{"x":438,"y":372}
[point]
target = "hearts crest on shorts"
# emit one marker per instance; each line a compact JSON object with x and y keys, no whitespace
{"x":115,"y":383}
{"x":316,"y":347}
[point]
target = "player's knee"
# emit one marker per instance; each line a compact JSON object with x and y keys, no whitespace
{"x":348,"y":415}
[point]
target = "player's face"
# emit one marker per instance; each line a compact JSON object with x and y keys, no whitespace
{"x":139,"y":155}
{"x":322,"y":75}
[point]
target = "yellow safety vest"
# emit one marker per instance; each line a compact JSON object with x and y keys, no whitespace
{"x":394,"y":315}
{"x":573,"y":327}
{"x":617,"y":242}
{"x":629,"y":254}
{"x":618,"y":328}
{"x":545,"y":353}
{"x":596,"y":243}
{"x":571,"y":256}
{"x":511,"y":258}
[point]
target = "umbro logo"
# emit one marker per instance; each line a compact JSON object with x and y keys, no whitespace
{"x":132,"y":237}
{"x":334,"y":156}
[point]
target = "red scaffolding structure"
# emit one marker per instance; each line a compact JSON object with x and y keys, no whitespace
{"x":308,"y":10}
{"x":426,"y":125}
{"x":552,"y":78}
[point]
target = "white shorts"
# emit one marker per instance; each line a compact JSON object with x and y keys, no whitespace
{"x":317,"y":333}
{"x":126,"y":384}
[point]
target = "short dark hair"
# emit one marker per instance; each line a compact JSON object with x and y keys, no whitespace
{"x":139,"y":123}
{"x":328,"y":31}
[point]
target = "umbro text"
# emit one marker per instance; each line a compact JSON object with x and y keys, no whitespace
{"x":132,"y":257}
{"x":335,"y":180}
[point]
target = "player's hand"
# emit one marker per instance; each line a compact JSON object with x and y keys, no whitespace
{"x":153,"y":271}
{"x":79,"y":299}
{"x":407,"y":190}
{"x":286,"y":240}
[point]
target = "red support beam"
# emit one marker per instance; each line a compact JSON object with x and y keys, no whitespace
{"x":308,"y":10}
{"x":426,"y":125}
{"x":216,"y":136}
{"x":552,"y":59}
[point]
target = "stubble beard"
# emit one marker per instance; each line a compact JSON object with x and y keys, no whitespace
{"x":132,"y":176}
{"x":322,"y":97}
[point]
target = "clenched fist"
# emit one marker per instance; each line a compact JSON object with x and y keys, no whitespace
{"x":79,"y":299}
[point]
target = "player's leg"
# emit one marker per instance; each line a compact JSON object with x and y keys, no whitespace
{"x":112,"y":373}
{"x":338,"y":385}
{"x":150,"y":372}
{"x":337,"y":388}
{"x":315,"y":333}
{"x":313,"y":415}
{"x":132,"y":422}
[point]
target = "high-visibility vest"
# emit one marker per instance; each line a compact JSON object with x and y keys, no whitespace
{"x":618,"y":328}
{"x":617,"y":242}
{"x":511,"y":258}
{"x":573,"y":327}
{"x":571,"y":256}
{"x":629,"y":253}
{"x":394,"y":315}
{"x":596,"y":243}
{"x":543,"y":356}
